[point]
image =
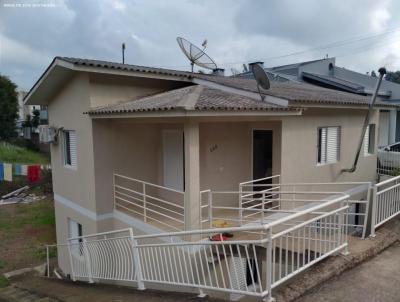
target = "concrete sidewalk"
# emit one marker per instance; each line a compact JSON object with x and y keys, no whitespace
{"x":375,"y":280}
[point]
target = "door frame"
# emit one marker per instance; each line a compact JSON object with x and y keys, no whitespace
{"x":252,"y":149}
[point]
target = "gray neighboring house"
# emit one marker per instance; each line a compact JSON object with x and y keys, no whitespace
{"x":326,"y":74}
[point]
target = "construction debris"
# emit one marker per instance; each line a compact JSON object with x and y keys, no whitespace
{"x":14,"y":193}
{"x":19,"y":196}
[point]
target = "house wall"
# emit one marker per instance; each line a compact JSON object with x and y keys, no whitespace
{"x":74,"y":191}
{"x":226,"y":153}
{"x":299,"y":147}
{"x":112,"y":89}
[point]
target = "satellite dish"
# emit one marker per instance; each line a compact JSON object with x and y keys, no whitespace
{"x":195,"y":54}
{"x":262,"y":79}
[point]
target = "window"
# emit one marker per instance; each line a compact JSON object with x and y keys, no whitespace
{"x":328,"y":145}
{"x":75,"y":230}
{"x":69,"y":146}
{"x":369,"y":140}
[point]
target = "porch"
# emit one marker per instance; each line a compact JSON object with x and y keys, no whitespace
{"x":155,"y":171}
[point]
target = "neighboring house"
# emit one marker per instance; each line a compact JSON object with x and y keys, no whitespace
{"x":25,"y":110}
{"x":169,"y":134}
{"x":325,"y":73}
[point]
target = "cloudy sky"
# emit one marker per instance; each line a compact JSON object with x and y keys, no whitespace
{"x":363,"y":35}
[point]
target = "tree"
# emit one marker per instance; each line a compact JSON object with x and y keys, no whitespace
{"x":35,"y":118}
{"x":8,"y":108}
{"x":393,"y":76}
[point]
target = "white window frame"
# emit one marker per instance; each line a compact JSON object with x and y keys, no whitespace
{"x":73,"y":160}
{"x":369,"y":140}
{"x":75,"y":229}
{"x":323,"y":157}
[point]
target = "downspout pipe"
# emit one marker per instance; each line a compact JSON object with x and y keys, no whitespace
{"x":382,"y":72}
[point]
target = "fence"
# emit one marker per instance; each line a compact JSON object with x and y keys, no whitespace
{"x":150,"y":202}
{"x":386,"y":202}
{"x":251,"y":265}
{"x":388,"y":162}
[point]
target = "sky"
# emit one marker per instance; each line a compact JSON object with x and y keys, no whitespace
{"x":363,"y":35}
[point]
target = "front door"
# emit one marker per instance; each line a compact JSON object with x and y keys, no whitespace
{"x":173,"y":157}
{"x":262,"y":156}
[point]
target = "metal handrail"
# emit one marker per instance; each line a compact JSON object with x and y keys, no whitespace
{"x":148,"y":206}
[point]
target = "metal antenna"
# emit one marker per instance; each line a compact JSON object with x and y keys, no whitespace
{"x":123,"y":53}
{"x":196,"y":55}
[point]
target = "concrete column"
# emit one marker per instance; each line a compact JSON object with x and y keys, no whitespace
{"x":392,"y":126}
{"x":192,"y":175}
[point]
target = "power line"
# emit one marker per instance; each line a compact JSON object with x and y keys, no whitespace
{"x":335,"y":44}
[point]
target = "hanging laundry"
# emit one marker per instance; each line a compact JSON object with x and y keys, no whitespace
{"x":33,"y":173}
{"x":7,"y":168}
{"x":24,"y":170}
{"x":1,"y":171}
{"x":17,"y":169}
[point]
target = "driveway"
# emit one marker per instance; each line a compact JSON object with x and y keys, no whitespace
{"x":375,"y":280}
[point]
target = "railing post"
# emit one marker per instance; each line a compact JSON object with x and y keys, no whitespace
{"x":210,"y":216}
{"x":262,"y":207}
{"x":87,"y":259}
{"x":144,"y":203}
{"x":70,"y":260}
{"x":374,"y":209}
{"x":114,"y":190}
{"x":136,"y":259}
{"x":343,"y":228}
{"x":269,"y":266}
{"x":240,"y":205}
{"x":48,"y":261}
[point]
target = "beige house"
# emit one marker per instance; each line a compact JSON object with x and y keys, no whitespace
{"x":138,"y":144}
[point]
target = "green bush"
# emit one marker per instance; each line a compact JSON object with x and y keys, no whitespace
{"x":4,"y":281}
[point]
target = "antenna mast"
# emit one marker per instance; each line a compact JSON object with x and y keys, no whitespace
{"x":123,"y":53}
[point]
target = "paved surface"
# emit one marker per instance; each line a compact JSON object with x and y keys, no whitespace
{"x":13,"y":294}
{"x":68,"y":291}
{"x":377,"y":280}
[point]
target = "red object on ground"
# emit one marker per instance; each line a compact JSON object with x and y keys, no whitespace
{"x":33,"y":173}
{"x":219,"y":238}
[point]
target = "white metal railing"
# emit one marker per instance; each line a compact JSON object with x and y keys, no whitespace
{"x":386,"y":202}
{"x":250,"y":265}
{"x":259,"y":198}
{"x":150,"y":202}
{"x":388,"y":163}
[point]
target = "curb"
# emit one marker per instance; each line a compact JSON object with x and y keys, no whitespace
{"x":333,"y":266}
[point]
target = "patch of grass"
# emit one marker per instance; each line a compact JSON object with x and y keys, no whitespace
{"x":2,"y":264}
{"x":4,"y":281}
{"x":38,"y":213}
{"x":14,"y":154}
{"x":39,"y":252}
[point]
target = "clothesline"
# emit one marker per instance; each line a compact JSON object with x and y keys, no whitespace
{"x":32,"y":171}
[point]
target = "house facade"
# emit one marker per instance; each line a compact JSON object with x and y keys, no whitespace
{"x":137,"y":145}
{"x":325,"y":73}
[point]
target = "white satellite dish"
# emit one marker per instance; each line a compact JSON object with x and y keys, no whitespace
{"x":262,"y":79}
{"x":195,"y":54}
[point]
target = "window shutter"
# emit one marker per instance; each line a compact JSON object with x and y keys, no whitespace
{"x":332,"y":144}
{"x":366,"y":141}
{"x":72,"y":143}
{"x":323,"y":145}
